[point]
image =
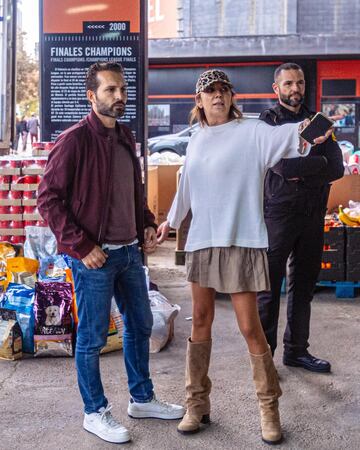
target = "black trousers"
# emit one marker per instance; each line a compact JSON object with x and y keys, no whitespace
{"x":299,"y":238}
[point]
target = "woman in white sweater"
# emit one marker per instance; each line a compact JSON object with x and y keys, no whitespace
{"x":222,"y":184}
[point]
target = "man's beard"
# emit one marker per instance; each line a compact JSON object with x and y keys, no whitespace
{"x":290,"y":101}
{"x":110,"y":111}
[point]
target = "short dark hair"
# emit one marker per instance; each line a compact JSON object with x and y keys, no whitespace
{"x":286,"y":66}
{"x":92,"y":82}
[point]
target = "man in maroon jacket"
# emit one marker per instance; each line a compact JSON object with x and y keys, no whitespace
{"x":92,"y":196}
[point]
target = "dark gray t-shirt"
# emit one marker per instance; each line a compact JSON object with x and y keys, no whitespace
{"x":121,"y":224}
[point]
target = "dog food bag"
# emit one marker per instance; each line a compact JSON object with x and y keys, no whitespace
{"x":22,"y":270}
{"x":114,"y":337}
{"x":10,"y":335}
{"x":53,"y":268}
{"x":53,"y":322}
{"x":69,"y":279}
{"x":20,"y":298}
{"x":6,"y":251}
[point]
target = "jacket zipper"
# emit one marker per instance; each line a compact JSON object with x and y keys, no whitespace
{"x":108,"y":191}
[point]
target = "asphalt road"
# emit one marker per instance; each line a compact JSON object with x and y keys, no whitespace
{"x":40,"y":407}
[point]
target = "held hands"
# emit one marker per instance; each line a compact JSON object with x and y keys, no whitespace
{"x":319,"y":139}
{"x":95,"y":259}
{"x":163,"y":231}
{"x":149,"y":240}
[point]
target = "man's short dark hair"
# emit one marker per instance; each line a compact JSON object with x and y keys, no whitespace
{"x":286,"y":66}
{"x":92,"y":82}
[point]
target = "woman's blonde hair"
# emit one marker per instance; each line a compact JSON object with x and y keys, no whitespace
{"x":198,"y":115}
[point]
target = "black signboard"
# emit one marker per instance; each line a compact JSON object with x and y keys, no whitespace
{"x":76,"y":34}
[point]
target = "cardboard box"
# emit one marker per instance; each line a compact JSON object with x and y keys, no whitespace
{"x":29,"y":201}
{"x":10,"y":217}
{"x":12,"y":232}
{"x":34,"y":216}
{"x":10,"y":170}
{"x":33,"y":171}
{"x":24,"y":187}
{"x":11,"y":201}
{"x":182,"y":232}
{"x":343,"y":190}
{"x":161,"y":189}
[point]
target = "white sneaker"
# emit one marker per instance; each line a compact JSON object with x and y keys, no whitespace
{"x":155,"y":409}
{"x":106,"y":427}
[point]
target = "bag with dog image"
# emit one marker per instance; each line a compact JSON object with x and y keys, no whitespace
{"x":53,"y":322}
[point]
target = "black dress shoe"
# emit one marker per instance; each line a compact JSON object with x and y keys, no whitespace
{"x":307,"y":362}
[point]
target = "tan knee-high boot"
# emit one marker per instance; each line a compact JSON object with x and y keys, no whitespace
{"x":268,"y":391}
{"x":197,"y":387}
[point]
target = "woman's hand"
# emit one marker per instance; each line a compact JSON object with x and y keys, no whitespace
{"x":319,"y":139}
{"x":163,"y":231}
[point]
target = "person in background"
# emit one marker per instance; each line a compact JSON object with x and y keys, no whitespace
{"x":24,"y":130}
{"x":92,"y":197}
{"x":295,"y":197}
{"x":222,"y":184}
{"x":33,"y":126}
{"x":17,"y":133}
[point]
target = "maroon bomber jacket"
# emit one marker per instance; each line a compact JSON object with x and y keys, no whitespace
{"x":74,"y":192}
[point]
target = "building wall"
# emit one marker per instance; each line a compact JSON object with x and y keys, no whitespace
{"x":328,"y":16}
{"x":263,"y":17}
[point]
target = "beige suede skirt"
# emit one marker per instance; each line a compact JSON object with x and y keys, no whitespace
{"x":229,"y":269}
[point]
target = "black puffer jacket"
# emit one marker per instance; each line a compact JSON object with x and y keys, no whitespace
{"x":300,"y":185}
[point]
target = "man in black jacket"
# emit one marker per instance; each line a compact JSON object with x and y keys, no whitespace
{"x":295,"y":198}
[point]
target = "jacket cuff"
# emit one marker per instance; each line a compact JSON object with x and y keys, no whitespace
{"x":84,"y":248}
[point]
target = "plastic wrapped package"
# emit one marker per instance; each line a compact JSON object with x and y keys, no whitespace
{"x":22,"y":271}
{"x":6,"y":251}
{"x":10,"y":335}
{"x":52,"y":269}
{"x":114,"y":338}
{"x":20,"y":298}
{"x":40,"y":242}
{"x":164,"y":314}
{"x":53,"y":322}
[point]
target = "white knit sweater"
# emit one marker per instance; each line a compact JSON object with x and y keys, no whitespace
{"x":223,"y":179}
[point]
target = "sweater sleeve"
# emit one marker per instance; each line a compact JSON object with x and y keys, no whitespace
{"x":279,"y":142}
{"x":181,"y":203}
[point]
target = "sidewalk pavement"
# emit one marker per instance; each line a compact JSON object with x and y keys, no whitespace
{"x":40,"y":407}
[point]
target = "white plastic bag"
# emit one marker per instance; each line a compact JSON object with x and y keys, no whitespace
{"x":164,"y":314}
{"x":40,"y":242}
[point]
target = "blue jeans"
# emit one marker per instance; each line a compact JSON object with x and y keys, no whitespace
{"x":123,"y":277}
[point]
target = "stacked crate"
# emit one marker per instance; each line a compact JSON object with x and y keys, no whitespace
{"x":353,"y":253}
{"x":333,"y":258}
{"x":19,"y":181}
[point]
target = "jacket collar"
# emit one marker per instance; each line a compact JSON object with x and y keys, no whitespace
{"x":96,"y":123}
{"x":286,"y":113}
{"x":99,"y":128}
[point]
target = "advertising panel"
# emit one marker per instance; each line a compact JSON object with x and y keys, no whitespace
{"x":76,"y":34}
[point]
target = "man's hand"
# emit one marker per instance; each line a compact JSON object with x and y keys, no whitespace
{"x":150,"y":240}
{"x":163,"y":231}
{"x":321,"y":139}
{"x":95,"y":259}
